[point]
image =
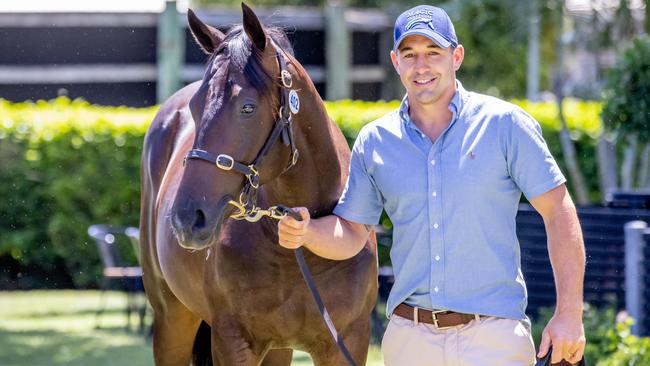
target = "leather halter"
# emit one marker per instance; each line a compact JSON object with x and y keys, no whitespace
{"x":247,"y":203}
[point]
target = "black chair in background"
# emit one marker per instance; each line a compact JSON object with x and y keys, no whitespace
{"x":117,"y":273}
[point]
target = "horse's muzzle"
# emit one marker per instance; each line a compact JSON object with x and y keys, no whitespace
{"x":197,"y":224}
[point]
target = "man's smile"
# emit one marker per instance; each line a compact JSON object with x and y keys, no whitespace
{"x":424,"y":81}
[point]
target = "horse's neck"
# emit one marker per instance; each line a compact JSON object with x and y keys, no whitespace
{"x":317,"y":180}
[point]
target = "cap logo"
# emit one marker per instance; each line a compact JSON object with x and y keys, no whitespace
{"x":419,"y":20}
{"x":420,"y":12}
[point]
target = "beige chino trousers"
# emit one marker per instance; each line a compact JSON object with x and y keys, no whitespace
{"x":488,"y":341}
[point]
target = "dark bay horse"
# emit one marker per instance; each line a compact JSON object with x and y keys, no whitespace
{"x":212,"y":278}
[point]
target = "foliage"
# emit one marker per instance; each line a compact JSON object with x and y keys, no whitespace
{"x":627,"y":96}
{"x":495,"y":45}
{"x":67,"y":165}
{"x":628,"y":350}
{"x":599,"y":331}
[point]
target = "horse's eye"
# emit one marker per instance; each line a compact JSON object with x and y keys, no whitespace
{"x":248,"y":108}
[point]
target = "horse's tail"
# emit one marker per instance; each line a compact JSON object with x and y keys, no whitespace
{"x":202,"y":350}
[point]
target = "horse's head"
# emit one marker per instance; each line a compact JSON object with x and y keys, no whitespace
{"x":237,"y":113}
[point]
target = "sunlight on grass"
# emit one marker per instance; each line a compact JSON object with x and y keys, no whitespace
{"x":58,"y":328}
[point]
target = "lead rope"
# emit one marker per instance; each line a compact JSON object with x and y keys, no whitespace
{"x":309,"y":280}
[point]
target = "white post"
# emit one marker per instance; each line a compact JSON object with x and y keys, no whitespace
{"x":338,"y":55}
{"x":171,"y":49}
{"x":634,"y":288}
{"x":532,"y":79}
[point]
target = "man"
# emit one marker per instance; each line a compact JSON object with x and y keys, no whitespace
{"x":449,"y":168}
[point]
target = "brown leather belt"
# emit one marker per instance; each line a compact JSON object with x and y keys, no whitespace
{"x":441,"y":319}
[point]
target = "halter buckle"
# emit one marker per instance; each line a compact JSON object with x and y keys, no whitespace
{"x":287,"y":81}
{"x":225,"y":162}
{"x":254,"y":178}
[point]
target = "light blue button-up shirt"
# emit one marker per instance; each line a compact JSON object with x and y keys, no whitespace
{"x":452,"y":202}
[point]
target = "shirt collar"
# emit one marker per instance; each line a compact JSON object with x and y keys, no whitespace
{"x":455,"y":106}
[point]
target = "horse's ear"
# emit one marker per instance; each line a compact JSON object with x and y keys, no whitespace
{"x":206,"y":36}
{"x":253,"y":27}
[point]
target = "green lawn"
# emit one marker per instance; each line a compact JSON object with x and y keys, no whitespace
{"x":58,"y":328}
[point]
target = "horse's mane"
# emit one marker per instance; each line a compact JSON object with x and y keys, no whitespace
{"x":247,"y":58}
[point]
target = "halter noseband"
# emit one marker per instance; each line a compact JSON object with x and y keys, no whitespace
{"x":247,"y":202}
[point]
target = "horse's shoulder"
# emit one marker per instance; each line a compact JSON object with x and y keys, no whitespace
{"x":170,"y":114}
{"x":165,"y":131}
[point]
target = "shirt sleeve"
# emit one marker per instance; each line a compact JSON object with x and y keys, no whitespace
{"x":361,"y":201}
{"x":530,"y":163}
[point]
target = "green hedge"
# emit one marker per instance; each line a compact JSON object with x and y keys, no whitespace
{"x":66,"y":165}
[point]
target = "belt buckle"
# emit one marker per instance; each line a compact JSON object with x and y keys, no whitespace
{"x":434,"y":316}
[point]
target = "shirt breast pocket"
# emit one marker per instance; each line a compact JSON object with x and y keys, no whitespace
{"x":477,"y":171}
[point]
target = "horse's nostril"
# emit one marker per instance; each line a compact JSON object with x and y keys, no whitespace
{"x":199,"y":223}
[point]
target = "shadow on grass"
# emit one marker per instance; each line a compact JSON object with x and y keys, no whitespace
{"x":106,"y":347}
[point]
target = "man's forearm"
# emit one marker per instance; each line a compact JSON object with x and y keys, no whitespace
{"x":335,"y":238}
{"x":567,"y":254}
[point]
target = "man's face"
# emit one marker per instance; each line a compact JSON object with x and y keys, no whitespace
{"x":427,"y":71}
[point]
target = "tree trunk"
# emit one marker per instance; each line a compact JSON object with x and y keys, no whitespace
{"x":607,"y":166}
{"x":629,"y":162}
{"x":644,"y":172}
{"x":568,"y":149}
{"x":647,"y":17}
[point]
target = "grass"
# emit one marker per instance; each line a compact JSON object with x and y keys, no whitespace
{"x":58,"y":328}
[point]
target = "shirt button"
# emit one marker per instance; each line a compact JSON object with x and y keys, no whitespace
{"x":433,"y":162}
{"x":436,"y":289}
{"x":435,"y":226}
{"x":437,"y":257}
{"x":435,"y":194}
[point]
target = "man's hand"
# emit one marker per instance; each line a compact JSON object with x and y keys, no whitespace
{"x":567,"y":335}
{"x":291,"y":232}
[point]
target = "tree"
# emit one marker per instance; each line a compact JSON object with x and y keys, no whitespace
{"x":568,"y":148}
{"x":626,"y":112}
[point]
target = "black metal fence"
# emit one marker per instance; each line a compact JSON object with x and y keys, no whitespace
{"x":604,"y":238}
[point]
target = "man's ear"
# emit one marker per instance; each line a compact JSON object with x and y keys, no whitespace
{"x":393,"y":58}
{"x":208,"y":38}
{"x":459,"y":56}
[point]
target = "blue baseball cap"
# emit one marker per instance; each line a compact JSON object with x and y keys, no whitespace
{"x":425,"y":20}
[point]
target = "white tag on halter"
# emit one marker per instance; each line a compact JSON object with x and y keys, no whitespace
{"x":294,"y":102}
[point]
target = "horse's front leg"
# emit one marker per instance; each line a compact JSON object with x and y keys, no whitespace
{"x":230,"y":346}
{"x":356,"y":337}
{"x":174,"y":330}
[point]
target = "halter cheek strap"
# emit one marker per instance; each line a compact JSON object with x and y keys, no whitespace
{"x":283,"y":127}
